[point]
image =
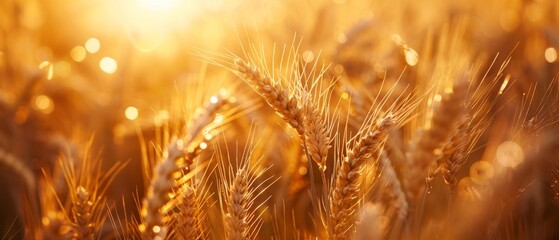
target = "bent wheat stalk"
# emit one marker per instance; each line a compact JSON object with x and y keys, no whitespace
{"x":296,"y":108}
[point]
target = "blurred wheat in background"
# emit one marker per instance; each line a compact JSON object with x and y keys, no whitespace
{"x":246,"y":119}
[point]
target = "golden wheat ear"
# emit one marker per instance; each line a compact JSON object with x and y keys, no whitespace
{"x":178,"y":156}
{"x":242,"y":182}
{"x":344,"y":195}
{"x":301,"y":107}
{"x":420,"y":157}
{"x":80,"y":212}
{"x":279,"y":98}
{"x":188,"y":217}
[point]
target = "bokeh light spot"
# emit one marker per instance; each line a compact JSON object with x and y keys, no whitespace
{"x":62,"y":69}
{"x":308,"y":56}
{"x":467,"y":189}
{"x":550,"y":55}
{"x":108,"y":65}
{"x":44,"y":104}
{"x":345,"y":96}
{"x":481,"y":172}
{"x":48,"y":68}
{"x":78,"y":53}
{"x":131,"y":113}
{"x":92,"y":45}
{"x":412,"y":58}
{"x":509,"y":154}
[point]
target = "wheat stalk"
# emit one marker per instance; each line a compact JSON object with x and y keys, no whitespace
{"x":82,"y":214}
{"x":317,"y":135}
{"x":187,"y":220}
{"x":297,"y":109}
{"x":238,"y":198}
{"x":178,"y":156}
{"x":278,"y":98}
{"x":453,"y":153}
{"x":443,"y":123}
{"x":345,"y":192}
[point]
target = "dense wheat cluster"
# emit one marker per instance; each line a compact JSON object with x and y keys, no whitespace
{"x":246,"y":119}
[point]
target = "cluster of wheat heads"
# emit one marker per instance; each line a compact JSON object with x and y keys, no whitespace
{"x":370,"y":139}
{"x":344,"y":163}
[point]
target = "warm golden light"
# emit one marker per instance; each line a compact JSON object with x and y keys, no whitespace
{"x":467,"y":189}
{"x":345,"y":96}
{"x":44,"y":104}
{"x":504,"y":85}
{"x":161,"y":117}
{"x":550,"y":55}
{"x":509,"y":20}
{"x":148,"y":23}
{"x":302,"y":170}
{"x":92,"y":45}
{"x":509,"y":154}
{"x":78,"y":53}
{"x":131,"y":113}
{"x":160,"y":4}
{"x":47,"y":66}
{"x":62,"y":69}
{"x":412,"y":58}
{"x":219,"y":118}
{"x":301,"y":119}
{"x":308,"y":56}
{"x":481,"y":172}
{"x":213,"y":99}
{"x":108,"y":65}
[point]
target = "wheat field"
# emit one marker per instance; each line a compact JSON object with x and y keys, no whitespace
{"x":247,"y":119}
